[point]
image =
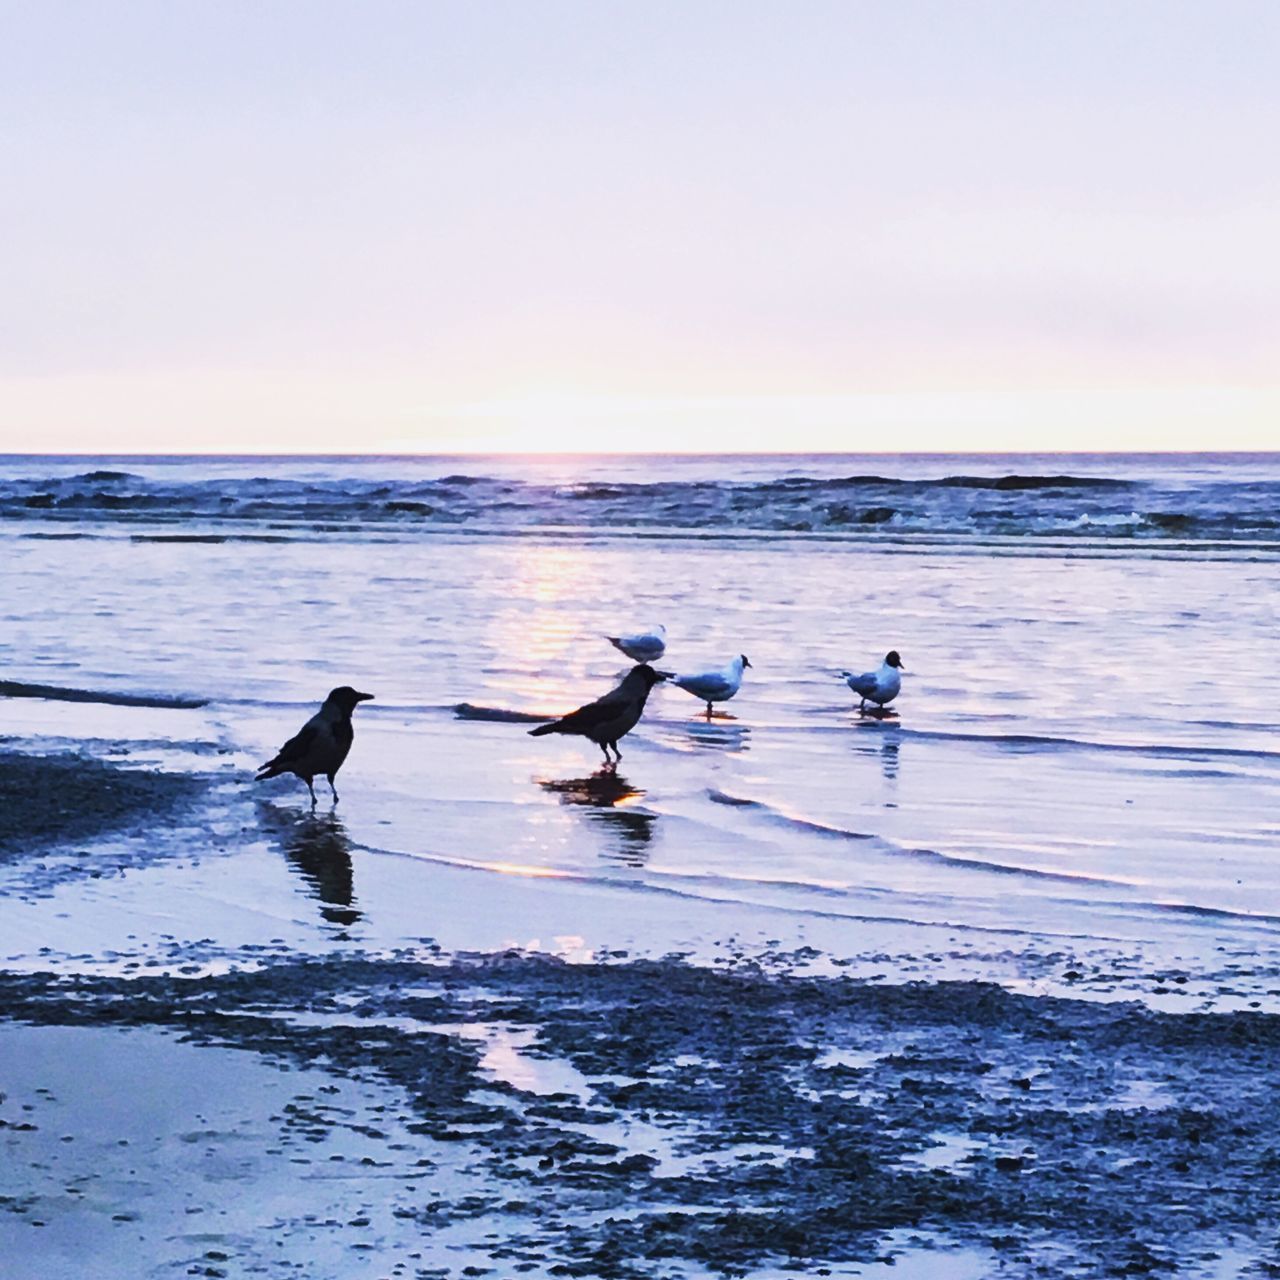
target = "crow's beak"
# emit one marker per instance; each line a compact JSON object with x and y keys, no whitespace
{"x":659,"y":676}
{"x":364,"y":697}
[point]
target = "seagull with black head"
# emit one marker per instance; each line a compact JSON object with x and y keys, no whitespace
{"x":321,"y":745}
{"x":880,"y":686}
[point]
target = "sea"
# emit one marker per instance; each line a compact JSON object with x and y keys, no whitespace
{"x":1084,"y":759}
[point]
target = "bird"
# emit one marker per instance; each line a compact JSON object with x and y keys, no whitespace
{"x":644,"y":646}
{"x":714,"y":686}
{"x":880,"y":686}
{"x":607,"y":719}
{"x":321,"y":745}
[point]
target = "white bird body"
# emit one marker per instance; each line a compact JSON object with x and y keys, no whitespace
{"x":880,"y":686}
{"x":644,"y":646}
{"x":715,"y":686}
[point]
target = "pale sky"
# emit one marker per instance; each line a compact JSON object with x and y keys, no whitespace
{"x":576,"y":224}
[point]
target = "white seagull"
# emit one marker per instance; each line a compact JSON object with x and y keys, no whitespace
{"x":644,"y":646}
{"x":880,"y":686}
{"x":321,"y":745}
{"x":715,"y":686}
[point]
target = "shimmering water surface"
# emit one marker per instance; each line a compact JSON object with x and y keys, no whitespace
{"x":1087,"y":744}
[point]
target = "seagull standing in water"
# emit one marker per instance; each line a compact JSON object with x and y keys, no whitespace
{"x":321,"y":745}
{"x":714,"y":686}
{"x":644,"y":646}
{"x":607,"y":719}
{"x":880,"y":686}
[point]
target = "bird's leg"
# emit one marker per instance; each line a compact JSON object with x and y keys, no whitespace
{"x":617,"y":755}
{"x":708,"y":711}
{"x":332,"y":788}
{"x":312,"y":790}
{"x":604,"y":746}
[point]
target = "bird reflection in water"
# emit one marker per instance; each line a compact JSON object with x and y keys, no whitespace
{"x":886,"y":747}
{"x":317,"y":847}
{"x":889,"y":758}
{"x":608,"y":798}
{"x":722,"y":733}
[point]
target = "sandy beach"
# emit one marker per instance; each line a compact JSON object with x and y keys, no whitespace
{"x":987,"y":987}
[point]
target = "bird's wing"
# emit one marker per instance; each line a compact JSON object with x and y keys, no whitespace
{"x":297,"y":747}
{"x":596,"y":713}
{"x":710,"y":684}
{"x":865,"y":684}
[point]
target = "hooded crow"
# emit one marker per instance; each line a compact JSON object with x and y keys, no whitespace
{"x":321,"y":745}
{"x":715,"y":686}
{"x":880,"y":686}
{"x":607,"y":719}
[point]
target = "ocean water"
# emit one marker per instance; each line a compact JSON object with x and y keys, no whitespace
{"x":1086,"y":750}
{"x":1170,"y":499}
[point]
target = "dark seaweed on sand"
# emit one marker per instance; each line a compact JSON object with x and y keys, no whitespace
{"x":799,"y":1110}
{"x":60,"y":799}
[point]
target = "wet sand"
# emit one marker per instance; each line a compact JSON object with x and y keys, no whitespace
{"x":59,"y":799}
{"x":521,"y":1115}
{"x":240,"y":1038}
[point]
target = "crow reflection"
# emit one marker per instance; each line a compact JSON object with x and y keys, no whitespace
{"x":317,"y":847}
{"x":607,"y":796}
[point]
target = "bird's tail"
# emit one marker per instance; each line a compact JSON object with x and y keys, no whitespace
{"x":269,"y":770}
{"x":616,"y":641}
{"x":544,"y":728}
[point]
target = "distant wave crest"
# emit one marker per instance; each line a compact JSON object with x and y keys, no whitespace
{"x":955,"y":506}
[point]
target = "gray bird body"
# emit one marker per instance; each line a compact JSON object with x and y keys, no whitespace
{"x":880,"y":686}
{"x":714,"y":686}
{"x":610,"y":718}
{"x":320,"y":747}
{"x":644,"y":646}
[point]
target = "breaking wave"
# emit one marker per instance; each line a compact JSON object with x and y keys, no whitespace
{"x":401,"y":498}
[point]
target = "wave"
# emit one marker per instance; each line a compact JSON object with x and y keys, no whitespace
{"x":821,"y":900}
{"x":1048,"y":742}
{"x":470,"y":711}
{"x":99,"y":477}
{"x":783,"y":817}
{"x":284,"y":497}
{"x":58,"y":693}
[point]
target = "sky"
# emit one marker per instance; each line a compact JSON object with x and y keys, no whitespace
{"x":581,"y":225}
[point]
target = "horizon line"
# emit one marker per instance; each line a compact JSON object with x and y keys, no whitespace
{"x":650,"y":453}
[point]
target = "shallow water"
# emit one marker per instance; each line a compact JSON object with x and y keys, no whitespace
{"x":1085,"y":748}
{"x":1074,"y":796}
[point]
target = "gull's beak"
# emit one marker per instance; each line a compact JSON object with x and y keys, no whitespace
{"x":364,"y":697}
